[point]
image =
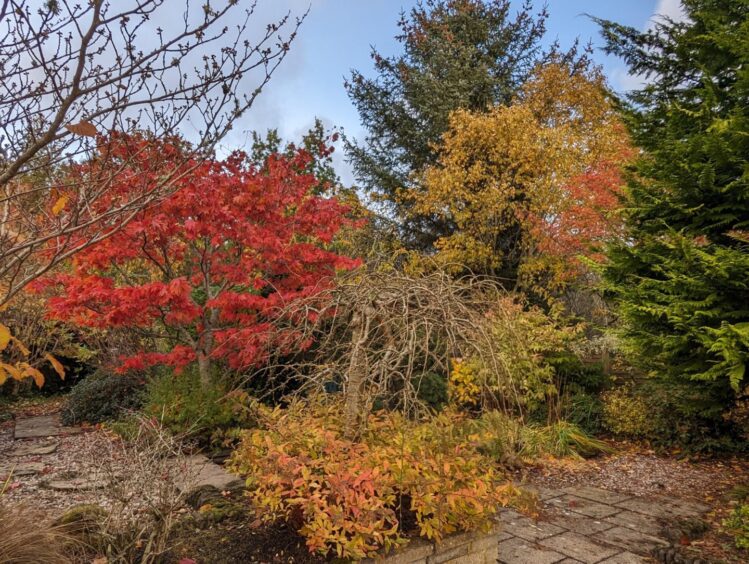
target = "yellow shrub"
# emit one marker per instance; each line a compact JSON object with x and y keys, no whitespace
{"x":464,"y":388}
{"x":627,"y":414}
{"x":348,"y":497}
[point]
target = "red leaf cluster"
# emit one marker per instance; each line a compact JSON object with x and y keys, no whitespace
{"x":207,"y":266}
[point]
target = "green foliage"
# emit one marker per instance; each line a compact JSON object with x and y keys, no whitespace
{"x":681,"y":278}
{"x":518,"y":372}
{"x":432,"y":390}
{"x":350,"y":497}
{"x":584,"y":410}
{"x":316,"y":142}
{"x":102,"y":396}
{"x":668,"y":413}
{"x":509,"y":440}
{"x":186,"y":407}
{"x":738,"y":525}
{"x":467,"y":54}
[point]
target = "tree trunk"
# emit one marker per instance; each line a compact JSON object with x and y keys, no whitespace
{"x":204,"y":370}
{"x":357,"y":373}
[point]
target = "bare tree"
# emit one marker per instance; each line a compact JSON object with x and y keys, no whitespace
{"x":72,"y":72}
{"x":378,"y":334}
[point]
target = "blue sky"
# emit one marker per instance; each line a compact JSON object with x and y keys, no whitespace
{"x":338,"y":34}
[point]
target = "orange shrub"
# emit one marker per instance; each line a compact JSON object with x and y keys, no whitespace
{"x":349,"y":498}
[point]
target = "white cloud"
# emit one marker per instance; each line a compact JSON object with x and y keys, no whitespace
{"x":672,"y":9}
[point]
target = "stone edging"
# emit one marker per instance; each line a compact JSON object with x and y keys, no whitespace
{"x":474,"y":546}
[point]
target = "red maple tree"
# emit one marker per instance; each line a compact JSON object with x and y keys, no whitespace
{"x":205,"y":269}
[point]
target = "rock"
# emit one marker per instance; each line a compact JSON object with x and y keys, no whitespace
{"x":201,"y":495}
{"x":22,"y":469}
{"x":34,"y":449}
{"x":42,"y":426}
{"x":200,"y":471}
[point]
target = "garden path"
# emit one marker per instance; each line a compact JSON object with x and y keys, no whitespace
{"x":46,"y":459}
{"x":591,"y":525}
{"x":579,"y":523}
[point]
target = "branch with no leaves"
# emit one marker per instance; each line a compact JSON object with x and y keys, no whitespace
{"x":72,"y":72}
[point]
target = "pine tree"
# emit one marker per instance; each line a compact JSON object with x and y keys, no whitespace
{"x":681,"y":279}
{"x":458,"y":54}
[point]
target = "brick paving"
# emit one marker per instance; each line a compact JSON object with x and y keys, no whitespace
{"x":583,"y":524}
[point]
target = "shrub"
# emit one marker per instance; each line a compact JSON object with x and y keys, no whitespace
{"x":187,"y":408}
{"x":432,"y":390}
{"x":584,"y":410}
{"x":738,"y":525}
{"x":668,"y":414}
{"x":102,"y":396}
{"x":351,"y":498}
{"x":628,"y":414}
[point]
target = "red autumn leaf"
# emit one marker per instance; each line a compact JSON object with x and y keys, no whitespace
{"x":209,"y":265}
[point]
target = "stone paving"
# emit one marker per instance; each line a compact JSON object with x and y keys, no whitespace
{"x":35,"y":438}
{"x":589,"y":525}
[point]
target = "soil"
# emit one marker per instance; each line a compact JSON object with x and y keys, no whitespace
{"x":237,"y":542}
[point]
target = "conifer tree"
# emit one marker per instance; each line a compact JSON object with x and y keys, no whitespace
{"x":458,"y":54}
{"x":681,"y":278}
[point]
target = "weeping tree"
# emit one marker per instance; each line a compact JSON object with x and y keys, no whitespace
{"x":378,"y":337}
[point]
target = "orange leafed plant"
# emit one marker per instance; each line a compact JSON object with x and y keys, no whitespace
{"x":348,"y":498}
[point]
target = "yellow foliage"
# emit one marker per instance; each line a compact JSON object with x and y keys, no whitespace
{"x":464,"y":387}
{"x":499,"y":169}
{"x":4,"y":337}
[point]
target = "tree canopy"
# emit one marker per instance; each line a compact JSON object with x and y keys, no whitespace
{"x":681,"y":277}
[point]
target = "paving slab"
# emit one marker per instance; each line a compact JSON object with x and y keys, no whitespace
{"x":597,"y":494}
{"x":579,"y":523}
{"x":73,"y":484}
{"x":22,"y":469}
{"x":201,"y":471}
{"x":518,"y":525}
{"x":579,"y":547}
{"x":663,"y":507}
{"x":519,"y":551}
{"x":630,"y":540}
{"x":638,"y":521}
{"x":34,"y":449}
{"x":543,"y":493}
{"x":42,"y":426}
{"x":585,"y":506}
{"x":625,"y":558}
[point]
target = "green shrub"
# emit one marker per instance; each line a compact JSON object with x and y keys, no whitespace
{"x":738,"y":525}
{"x":102,"y":396}
{"x":186,"y":407}
{"x":584,"y":410}
{"x":432,"y":390}
{"x":669,"y":414}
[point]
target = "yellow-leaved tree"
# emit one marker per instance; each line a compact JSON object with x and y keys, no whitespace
{"x":528,"y":187}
